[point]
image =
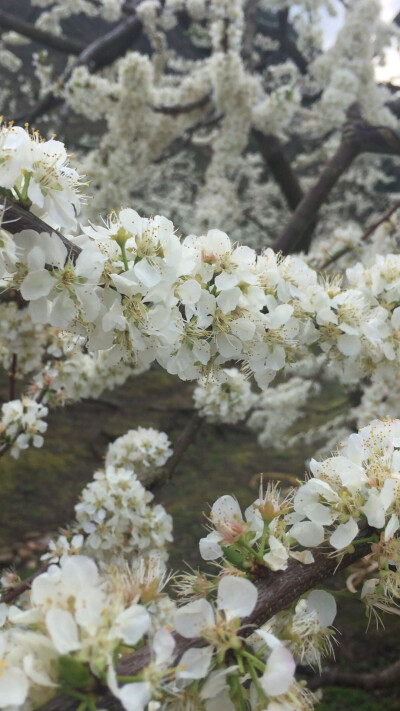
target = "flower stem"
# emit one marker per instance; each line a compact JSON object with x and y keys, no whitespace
{"x":254,"y":661}
{"x":237,"y":693}
{"x":124,"y":258}
{"x":24,"y":191}
{"x":263,"y":538}
{"x":251,"y":550}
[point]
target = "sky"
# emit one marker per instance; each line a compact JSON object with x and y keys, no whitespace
{"x":390,"y":8}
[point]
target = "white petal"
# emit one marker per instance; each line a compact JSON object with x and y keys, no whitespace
{"x":136,"y":696}
{"x":195,"y":663}
{"x":131,"y":624}
{"x":163,"y":645}
{"x":344,"y":534}
{"x":388,"y":492}
{"x":38,"y":676}
{"x":318,"y":513}
{"x":37,"y":284}
{"x":236,"y":596}
{"x":216,"y":682}
{"x":392,"y":527}
{"x":13,"y":687}
{"x":63,"y":630}
{"x":209,"y":546}
{"x":324,"y":604}
{"x":191,"y":619}
{"x":374,"y":511}
{"x":308,"y":533}
{"x":226,"y":508}
{"x":349,"y":345}
{"x":82,"y":570}
{"x":279,"y":672}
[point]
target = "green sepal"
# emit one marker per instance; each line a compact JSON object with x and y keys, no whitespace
{"x":74,"y":674}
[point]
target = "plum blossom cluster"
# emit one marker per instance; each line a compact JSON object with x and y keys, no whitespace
{"x":279,"y":407}
{"x":21,"y":339}
{"x":60,"y":371}
{"x":355,"y":489}
{"x":361,"y":482}
{"x":142,"y":450}
{"x":80,"y":619}
{"x":139,"y":292}
{"x":307,"y":629}
{"x":70,"y":374}
{"x":36,"y":174}
{"x":22,"y":424}
{"x":271,"y":671}
{"x":71,"y":630}
{"x":115,"y":519}
{"x":227,"y":398}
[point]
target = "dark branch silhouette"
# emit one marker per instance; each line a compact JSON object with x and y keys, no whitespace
{"x":26,"y":29}
{"x":358,"y":137}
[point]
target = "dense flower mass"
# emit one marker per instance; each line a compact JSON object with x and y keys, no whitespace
{"x":36,"y":173}
{"x":226,"y":399}
{"x":139,"y":292}
{"x":22,"y":424}
{"x":114,"y":516}
{"x":79,"y":616}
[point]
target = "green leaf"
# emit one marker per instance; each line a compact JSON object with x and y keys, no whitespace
{"x":74,"y":673}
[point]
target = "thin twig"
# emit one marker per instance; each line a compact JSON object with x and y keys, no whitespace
{"x":12,"y":376}
{"x":184,"y":440}
{"x":381,"y":679}
{"x":371,"y":229}
{"x":183,"y":108}
{"x":16,"y":590}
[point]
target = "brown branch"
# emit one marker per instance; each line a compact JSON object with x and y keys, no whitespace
{"x":100,"y":53}
{"x":12,"y":376}
{"x":251,"y":23}
{"x":371,"y":229}
{"x":358,"y":137}
{"x":184,"y":141}
{"x":17,"y":218}
{"x":183,"y":108}
{"x":388,"y":676}
{"x":308,"y":208}
{"x":16,"y":590}
{"x":185,"y":439}
{"x":57,"y":42}
{"x":276,"y":592}
{"x":274,"y":155}
{"x":286,"y":43}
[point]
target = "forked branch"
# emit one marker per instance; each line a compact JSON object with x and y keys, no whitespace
{"x":358,"y":137}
